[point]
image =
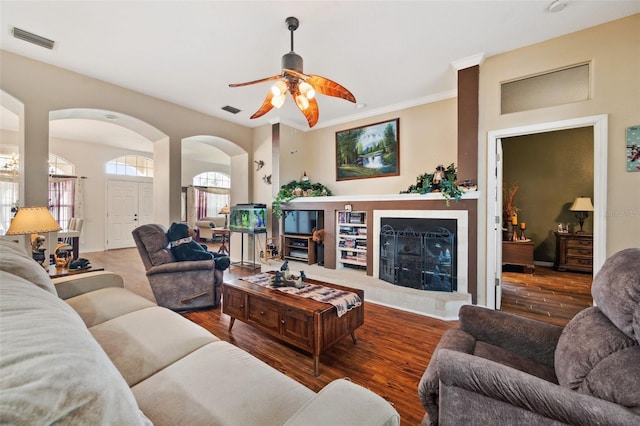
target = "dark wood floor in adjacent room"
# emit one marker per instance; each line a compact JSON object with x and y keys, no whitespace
{"x":393,"y":348}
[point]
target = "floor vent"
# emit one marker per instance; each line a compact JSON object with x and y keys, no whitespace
{"x":33,"y":38}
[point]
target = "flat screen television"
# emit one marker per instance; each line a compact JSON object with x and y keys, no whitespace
{"x":302,"y":222}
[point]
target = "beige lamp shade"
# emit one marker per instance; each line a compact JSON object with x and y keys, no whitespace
{"x":224,"y":210}
{"x":32,"y":220}
{"x":582,"y":204}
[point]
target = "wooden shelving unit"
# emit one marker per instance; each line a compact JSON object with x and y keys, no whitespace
{"x":351,"y":232}
{"x":299,"y":247}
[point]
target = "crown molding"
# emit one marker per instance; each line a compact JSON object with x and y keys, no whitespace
{"x":469,"y":61}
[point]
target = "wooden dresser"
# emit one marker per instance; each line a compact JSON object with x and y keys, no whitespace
{"x":574,"y":252}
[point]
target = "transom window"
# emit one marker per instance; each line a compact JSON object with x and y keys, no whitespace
{"x":131,"y":165}
{"x":212,"y":180}
{"x":60,"y":166}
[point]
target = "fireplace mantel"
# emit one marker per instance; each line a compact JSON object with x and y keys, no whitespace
{"x":435,"y":196}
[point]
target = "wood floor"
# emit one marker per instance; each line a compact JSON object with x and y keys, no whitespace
{"x":393,"y":346}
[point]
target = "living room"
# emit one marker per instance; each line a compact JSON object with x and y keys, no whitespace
{"x":429,"y":136}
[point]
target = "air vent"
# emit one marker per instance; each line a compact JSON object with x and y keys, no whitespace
{"x":231,"y":109}
{"x":33,"y":38}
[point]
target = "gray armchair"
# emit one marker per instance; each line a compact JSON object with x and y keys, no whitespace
{"x":498,"y":368}
{"x":180,"y":286}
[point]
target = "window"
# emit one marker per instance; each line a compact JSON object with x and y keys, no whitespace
{"x":60,"y":166}
{"x":131,"y":165}
{"x":212,"y":193}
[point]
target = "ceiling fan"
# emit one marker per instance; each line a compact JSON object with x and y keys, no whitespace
{"x":302,"y":87}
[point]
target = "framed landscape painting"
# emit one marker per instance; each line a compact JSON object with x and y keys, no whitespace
{"x":368,"y":151}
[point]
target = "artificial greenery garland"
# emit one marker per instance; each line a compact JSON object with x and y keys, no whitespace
{"x":295,"y":189}
{"x":447,"y":185}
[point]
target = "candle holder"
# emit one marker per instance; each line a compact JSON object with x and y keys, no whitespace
{"x":522,"y":228}
{"x":514,"y":236}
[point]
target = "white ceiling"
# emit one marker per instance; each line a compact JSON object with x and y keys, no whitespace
{"x":389,"y":54}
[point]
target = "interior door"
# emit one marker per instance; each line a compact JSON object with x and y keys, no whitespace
{"x":129,"y":204}
{"x":498,"y":226}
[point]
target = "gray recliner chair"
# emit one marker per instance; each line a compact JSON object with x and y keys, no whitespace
{"x":498,"y":368}
{"x":179,"y":286}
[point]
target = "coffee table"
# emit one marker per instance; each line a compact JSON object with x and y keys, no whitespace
{"x":302,"y":322}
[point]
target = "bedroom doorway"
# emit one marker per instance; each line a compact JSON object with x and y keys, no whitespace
{"x":494,"y":194}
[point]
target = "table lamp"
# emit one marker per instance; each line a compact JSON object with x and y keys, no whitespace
{"x":34,"y":220}
{"x":582,"y":205}
{"x":225,"y":211}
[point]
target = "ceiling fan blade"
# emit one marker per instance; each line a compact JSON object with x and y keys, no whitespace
{"x":311,"y":113}
{"x":330,"y":88}
{"x":262,"y":80}
{"x":324,"y":85}
{"x":265,"y":107}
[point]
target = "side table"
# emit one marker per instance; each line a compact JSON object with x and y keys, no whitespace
{"x":63,"y":271}
{"x":225,"y":239}
{"x":518,"y":253}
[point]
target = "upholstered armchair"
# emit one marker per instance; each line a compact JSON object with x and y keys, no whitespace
{"x":498,"y":368}
{"x":180,"y":286}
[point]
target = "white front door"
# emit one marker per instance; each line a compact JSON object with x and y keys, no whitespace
{"x":129,"y":204}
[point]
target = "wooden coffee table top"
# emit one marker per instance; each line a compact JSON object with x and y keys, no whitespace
{"x":276,"y":295}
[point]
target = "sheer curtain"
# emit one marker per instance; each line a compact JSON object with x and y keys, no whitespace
{"x":8,"y":199}
{"x":62,"y":193}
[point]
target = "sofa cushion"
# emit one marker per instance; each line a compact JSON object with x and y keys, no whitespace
{"x":51,"y":370}
{"x":102,"y":305}
{"x":595,"y":358}
{"x":145,"y":341}
{"x":15,"y":260}
{"x":226,"y":386}
{"x":616,"y":291}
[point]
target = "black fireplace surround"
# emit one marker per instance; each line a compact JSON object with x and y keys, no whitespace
{"x":419,"y":253}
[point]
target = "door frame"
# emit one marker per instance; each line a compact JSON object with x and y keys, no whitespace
{"x":494,"y":193}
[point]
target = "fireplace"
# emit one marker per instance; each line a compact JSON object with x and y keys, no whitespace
{"x":421,"y":249}
{"x":419,"y":253}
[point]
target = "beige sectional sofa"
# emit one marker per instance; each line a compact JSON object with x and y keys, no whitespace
{"x":204,"y":226}
{"x":105,"y":355}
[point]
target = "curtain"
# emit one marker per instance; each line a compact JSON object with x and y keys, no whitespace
{"x":191,"y":206}
{"x":201,"y":203}
{"x":8,"y":199}
{"x":78,"y":199}
{"x":61,"y":198}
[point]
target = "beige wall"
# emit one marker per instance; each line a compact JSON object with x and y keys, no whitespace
{"x":613,"y":51}
{"x":427,"y":138}
{"x":43,"y":88}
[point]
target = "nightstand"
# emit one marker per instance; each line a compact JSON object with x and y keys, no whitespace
{"x":574,"y":252}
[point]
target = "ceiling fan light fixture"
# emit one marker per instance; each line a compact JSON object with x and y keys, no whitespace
{"x":278,"y":100}
{"x":302,"y":101}
{"x":307,"y":90}
{"x":279,"y":88}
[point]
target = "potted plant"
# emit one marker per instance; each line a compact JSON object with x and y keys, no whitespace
{"x":295,"y":189}
{"x":443,"y":180}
